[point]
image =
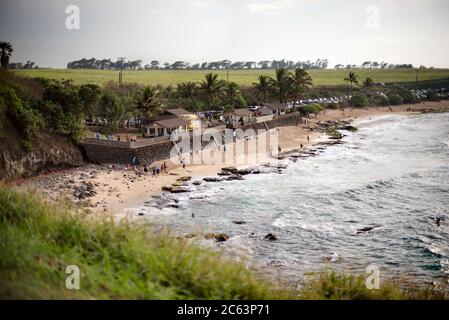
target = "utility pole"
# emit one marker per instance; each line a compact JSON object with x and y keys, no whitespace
{"x":120,"y":75}
{"x":417,"y":75}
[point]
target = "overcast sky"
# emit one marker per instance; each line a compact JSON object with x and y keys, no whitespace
{"x":344,"y":31}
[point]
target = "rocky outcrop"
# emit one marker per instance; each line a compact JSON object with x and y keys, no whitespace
{"x":48,"y":153}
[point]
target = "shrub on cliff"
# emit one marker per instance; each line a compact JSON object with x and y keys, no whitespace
{"x":24,"y":116}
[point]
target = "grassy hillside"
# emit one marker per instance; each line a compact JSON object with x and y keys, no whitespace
{"x":242,"y":77}
{"x":118,"y":261}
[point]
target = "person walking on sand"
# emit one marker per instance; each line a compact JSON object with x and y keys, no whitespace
{"x":308,"y":139}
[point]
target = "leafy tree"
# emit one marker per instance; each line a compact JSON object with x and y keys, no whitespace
{"x":112,"y":113}
{"x":89,"y":95}
{"x":233,"y":96}
{"x":6,"y":51}
{"x":213,"y":88}
{"x":368,"y":82}
{"x":359,"y":100}
{"x":187,"y":90}
{"x":301,"y":82}
{"x":281,"y":85}
{"x":148,"y":103}
{"x":263,"y":87}
{"x":352,"y":79}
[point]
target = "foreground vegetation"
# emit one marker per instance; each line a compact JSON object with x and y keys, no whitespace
{"x":241,"y":77}
{"x":120,"y":261}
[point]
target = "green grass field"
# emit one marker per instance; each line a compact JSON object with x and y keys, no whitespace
{"x":242,"y":77}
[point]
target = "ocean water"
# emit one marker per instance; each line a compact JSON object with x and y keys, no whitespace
{"x":393,"y":173}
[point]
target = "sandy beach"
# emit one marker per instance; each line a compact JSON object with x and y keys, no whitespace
{"x":113,"y":189}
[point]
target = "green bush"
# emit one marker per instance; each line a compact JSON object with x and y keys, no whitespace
{"x":333,"y":106}
{"x":395,"y":99}
{"x":359,"y":100}
{"x":407,"y":96}
{"x":432,"y":96}
{"x":378,"y":100}
{"x":311,"y":108}
{"x":28,"y":119}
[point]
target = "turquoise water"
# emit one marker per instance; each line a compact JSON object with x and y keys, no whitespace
{"x":393,"y":173}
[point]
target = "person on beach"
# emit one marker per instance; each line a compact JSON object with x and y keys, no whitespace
{"x":145,"y":168}
{"x":165,"y":166}
{"x":308,"y":139}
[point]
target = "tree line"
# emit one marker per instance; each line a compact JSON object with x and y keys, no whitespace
{"x":108,"y":64}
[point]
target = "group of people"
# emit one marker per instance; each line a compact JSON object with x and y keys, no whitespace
{"x":155,"y":170}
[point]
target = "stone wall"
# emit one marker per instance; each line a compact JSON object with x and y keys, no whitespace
{"x":110,"y":152}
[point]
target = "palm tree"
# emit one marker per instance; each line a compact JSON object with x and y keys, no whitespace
{"x":113,"y":113}
{"x":187,"y":90}
{"x":148,"y":103}
{"x":213,"y":87}
{"x":301,"y":81}
{"x":263,"y":86}
{"x":282,"y":85}
{"x":6,"y":51}
{"x":352,"y":79}
{"x":368,"y":82}
{"x":233,"y":95}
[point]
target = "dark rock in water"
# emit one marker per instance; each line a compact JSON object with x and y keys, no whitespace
{"x":140,"y":214}
{"x":219,"y":237}
{"x":438,"y":220}
{"x":173,"y":205}
{"x":230,"y":169}
{"x":167,"y":188}
{"x":349,"y":128}
{"x":271,"y":237}
{"x":243,"y":172}
{"x":179,"y":190}
{"x":239,"y":222}
{"x":234,"y":177}
{"x":256,"y":171}
{"x":212,"y":179}
{"x":367,"y":229}
{"x":225,"y":173}
{"x":184,"y":179}
{"x":196,"y":183}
